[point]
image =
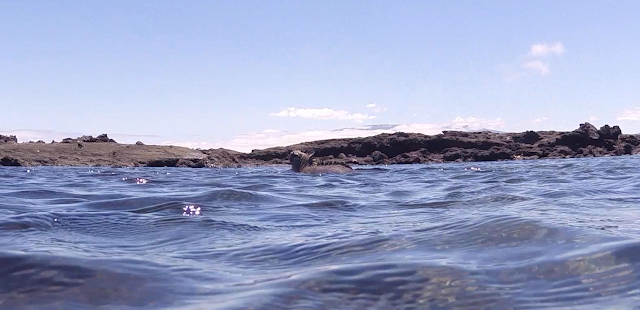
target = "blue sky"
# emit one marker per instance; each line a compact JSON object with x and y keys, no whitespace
{"x":253,"y":74}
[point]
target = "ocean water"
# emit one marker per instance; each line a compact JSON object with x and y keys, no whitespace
{"x":496,"y":235}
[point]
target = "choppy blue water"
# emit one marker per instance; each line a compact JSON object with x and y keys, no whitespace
{"x":527,"y":234}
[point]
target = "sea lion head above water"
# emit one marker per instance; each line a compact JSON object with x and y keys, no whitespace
{"x":300,"y":160}
{"x":303,"y":162}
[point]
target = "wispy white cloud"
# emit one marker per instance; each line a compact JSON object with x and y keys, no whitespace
{"x":537,"y":66}
{"x":270,"y":131}
{"x":375,"y":108}
{"x":323,"y":114}
{"x":546,"y":49}
{"x":478,"y":123}
{"x":531,"y":63}
{"x":539,"y":120}
{"x":423,"y":128}
{"x":594,"y":118}
{"x":630,"y":115}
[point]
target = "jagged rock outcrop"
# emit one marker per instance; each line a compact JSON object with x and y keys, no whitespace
{"x":377,"y":157}
{"x":8,"y":139}
{"x":103,"y":138}
{"x":459,"y":146}
{"x":609,"y":133}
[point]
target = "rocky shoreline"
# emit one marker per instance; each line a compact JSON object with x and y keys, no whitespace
{"x":382,"y":149}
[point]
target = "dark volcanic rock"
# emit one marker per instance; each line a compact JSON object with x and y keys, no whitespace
{"x":561,"y":151}
{"x":588,"y":131}
{"x":101,"y":154}
{"x":162,"y":162}
{"x":378,"y":157}
{"x":456,"y":146}
{"x":139,"y":143}
{"x":416,"y":157}
{"x":9,"y":161}
{"x":610,"y":133}
{"x":492,"y":154}
{"x":192,"y":163}
{"x":625,"y":149}
{"x":88,"y":139}
{"x":396,"y":148}
{"x":587,"y":134}
{"x":219,"y":158}
{"x":528,"y":137}
{"x":629,"y":139}
{"x":8,"y":139}
{"x":103,"y":138}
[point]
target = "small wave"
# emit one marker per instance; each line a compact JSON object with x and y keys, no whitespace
{"x":56,"y":282}
{"x":236,"y":196}
{"x":307,"y":253}
{"x":329,"y":204}
{"x":382,"y":285}
{"x":41,"y":194}
{"x":25,"y":222}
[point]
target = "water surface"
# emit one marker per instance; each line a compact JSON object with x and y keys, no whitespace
{"x":501,"y":235}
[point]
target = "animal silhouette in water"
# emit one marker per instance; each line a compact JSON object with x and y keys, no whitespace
{"x":303,"y":162}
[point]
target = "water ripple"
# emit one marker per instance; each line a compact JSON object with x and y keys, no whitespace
{"x":501,"y":235}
